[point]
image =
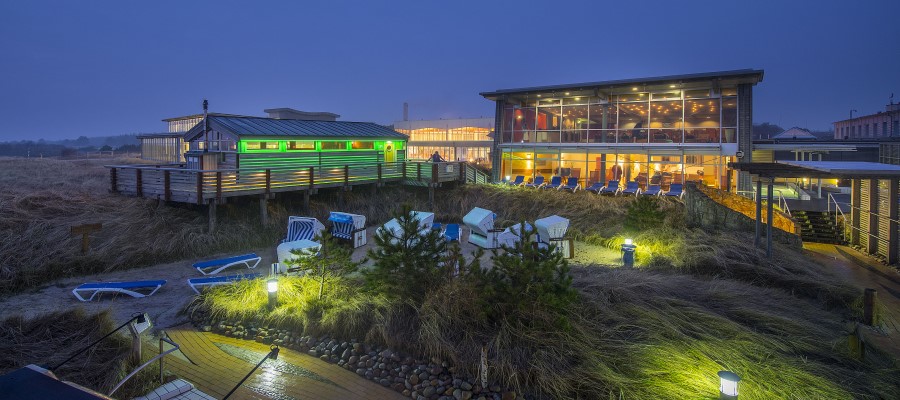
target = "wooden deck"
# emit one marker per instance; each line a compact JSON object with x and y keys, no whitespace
{"x":202,"y":186}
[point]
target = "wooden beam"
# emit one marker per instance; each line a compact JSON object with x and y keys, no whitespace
{"x":872,"y":234}
{"x":219,"y":186}
{"x":139,"y":187}
{"x":892,"y":214}
{"x":113,"y":180}
{"x":167,"y":186}
{"x":268,"y":181}
{"x":199,"y":187}
{"x":85,"y":230}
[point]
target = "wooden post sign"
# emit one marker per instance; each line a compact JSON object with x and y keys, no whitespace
{"x":85,"y":230}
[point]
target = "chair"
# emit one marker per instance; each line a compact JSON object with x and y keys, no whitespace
{"x":177,"y":389}
{"x":571,"y":184}
{"x":130,"y":288}
{"x":451,"y":233}
{"x":555,"y":183}
{"x":611,"y":188}
{"x":632,"y":187}
{"x":520,"y":179}
{"x":215,"y":266}
{"x":538,"y":182}
{"x":675,"y":190}
{"x":348,"y":226}
{"x":596,"y":187}
{"x":652,"y":190}
{"x":195,"y":283}
{"x":300,"y":228}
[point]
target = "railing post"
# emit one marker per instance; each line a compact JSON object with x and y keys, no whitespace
{"x":463,"y":167}
{"x":167,"y":194}
{"x":434,"y":174}
{"x":379,"y":173}
{"x":218,"y":186}
{"x":138,"y":174}
{"x":312,"y":179}
{"x":346,"y":176}
{"x":418,"y":171}
{"x":268,"y":181}
{"x":404,"y":170}
{"x":199,"y":187}
{"x":113,"y":180}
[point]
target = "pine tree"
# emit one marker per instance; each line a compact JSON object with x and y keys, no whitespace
{"x":333,"y":261}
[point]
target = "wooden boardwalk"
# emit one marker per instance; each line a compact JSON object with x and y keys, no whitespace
{"x":223,"y":361}
{"x":201,"y":186}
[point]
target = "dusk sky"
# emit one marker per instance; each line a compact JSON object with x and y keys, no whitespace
{"x":99,"y":68}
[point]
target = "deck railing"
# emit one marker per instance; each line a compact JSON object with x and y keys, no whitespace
{"x":198,"y":186}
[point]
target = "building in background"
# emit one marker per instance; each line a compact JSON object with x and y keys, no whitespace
{"x":166,"y":148}
{"x":883,"y":124}
{"x":651,"y":130}
{"x":466,"y":139}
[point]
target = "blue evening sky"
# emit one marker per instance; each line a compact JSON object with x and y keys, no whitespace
{"x":71,"y":68}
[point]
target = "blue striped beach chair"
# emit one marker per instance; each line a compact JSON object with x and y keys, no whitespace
{"x":348,"y":226}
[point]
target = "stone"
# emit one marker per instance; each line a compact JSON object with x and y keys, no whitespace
{"x":313,"y":353}
{"x":353,"y":360}
{"x":346,"y":354}
{"x":387,"y":354}
{"x":206,"y":328}
{"x":423,"y":376}
{"x":384,"y":382}
{"x":510,"y":395}
{"x":495,"y":388}
{"x":414,"y":379}
{"x":428,"y":391}
{"x":464,"y":385}
{"x":369,"y":374}
{"x":361,"y":371}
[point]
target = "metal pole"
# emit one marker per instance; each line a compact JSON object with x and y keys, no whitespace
{"x":161,"y":360}
{"x":758,"y":211}
{"x":769,"y":220}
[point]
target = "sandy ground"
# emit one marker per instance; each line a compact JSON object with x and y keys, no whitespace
{"x":166,"y":305}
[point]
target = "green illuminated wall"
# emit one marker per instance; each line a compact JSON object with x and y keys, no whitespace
{"x":280,"y":156}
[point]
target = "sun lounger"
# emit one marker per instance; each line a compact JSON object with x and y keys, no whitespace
{"x":632,"y":188}
{"x":520,"y":179}
{"x":675,"y":190}
{"x":611,"y":188}
{"x":652,"y":190}
{"x":538,"y":182}
{"x":595,"y":187}
{"x":437,"y":227}
{"x":215,"y":266}
{"x":555,"y":183}
{"x":195,"y":283}
{"x":129,"y":288}
{"x":451,"y":233}
{"x":571,"y":184}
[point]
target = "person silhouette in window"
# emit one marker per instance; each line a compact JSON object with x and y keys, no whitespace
{"x":436,"y":157}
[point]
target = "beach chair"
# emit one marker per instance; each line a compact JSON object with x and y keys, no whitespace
{"x":196,"y":283}
{"x":303,"y":228}
{"x":555,"y":183}
{"x":595,"y":187}
{"x":675,"y":190}
{"x":132,"y":288}
{"x":215,"y":266}
{"x":652,"y":190}
{"x":632,"y":188}
{"x":538,"y":182}
{"x":348,"y":226}
{"x":451,"y":233}
{"x":437,"y":227}
{"x":520,"y":179}
{"x":425,"y":222}
{"x":571,"y":184}
{"x":612,"y":187}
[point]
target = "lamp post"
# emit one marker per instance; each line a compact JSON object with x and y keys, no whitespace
{"x":628,"y":249}
{"x":273,"y":354}
{"x":728,"y":385}
{"x":272,"y":288}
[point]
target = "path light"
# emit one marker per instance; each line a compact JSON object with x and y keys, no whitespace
{"x":272,"y":288}
{"x":628,"y":249}
{"x":142,"y":323}
{"x":728,"y":385}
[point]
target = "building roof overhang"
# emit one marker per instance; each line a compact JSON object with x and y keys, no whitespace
{"x":820,"y":169}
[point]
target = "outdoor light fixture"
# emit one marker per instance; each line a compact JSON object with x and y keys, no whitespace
{"x":273,"y":354}
{"x":272,"y":288}
{"x":141,"y":323}
{"x":507,"y":178}
{"x":628,"y":249}
{"x":728,"y":385}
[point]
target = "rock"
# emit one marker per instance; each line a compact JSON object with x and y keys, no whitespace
{"x":361,"y":371}
{"x":369,"y":374}
{"x":428,"y":391}
{"x":384,"y":382}
{"x":206,"y":328}
{"x":353,"y":360}
{"x":387,"y":354}
{"x":346,"y":354}
{"x":423,"y":376}
{"x":414,"y":379}
{"x":510,"y":395}
{"x":464,"y":385}
{"x":407,"y":393}
{"x":495,"y":388}
{"x":436,"y":370}
{"x":313,"y":353}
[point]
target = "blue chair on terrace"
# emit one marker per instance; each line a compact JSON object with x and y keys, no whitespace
{"x":612,"y":187}
{"x":215,"y":266}
{"x":632,"y":188}
{"x":675,"y":190}
{"x":451,"y":233}
{"x":538,"y":182}
{"x":571,"y":184}
{"x":596,"y":187}
{"x":652,"y":190}
{"x":520,"y":179}
{"x":131,"y":288}
{"x":555,"y":183}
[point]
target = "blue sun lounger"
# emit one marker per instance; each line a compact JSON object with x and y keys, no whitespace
{"x":632,"y":188}
{"x":195,"y":283}
{"x":652,"y":190}
{"x":675,"y":190}
{"x":612,"y":188}
{"x":451,"y":232}
{"x":129,"y":288}
{"x":215,"y":266}
{"x":555,"y":182}
{"x":571,"y":184}
{"x":520,"y":179}
{"x":595,"y":187}
{"x":538,"y":182}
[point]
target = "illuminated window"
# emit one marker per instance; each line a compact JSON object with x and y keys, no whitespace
{"x":334,"y":145}
{"x":298,"y":145}
{"x":262,"y":145}
{"x":362,"y":145}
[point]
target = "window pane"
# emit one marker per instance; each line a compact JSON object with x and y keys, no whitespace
{"x":334,"y":145}
{"x":729,"y":111}
{"x":665,"y":121}
{"x":524,"y":124}
{"x":574,"y":122}
{"x":701,"y":118}
{"x":362,"y":145}
{"x":299,"y":145}
{"x":548,"y":118}
{"x":253,"y":145}
{"x":633,"y":122}
{"x":602,"y":116}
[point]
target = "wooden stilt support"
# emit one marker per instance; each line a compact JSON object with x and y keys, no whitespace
{"x":306,"y":200}
{"x":869,"y":298}
{"x":212,"y":215}
{"x":264,"y":209}
{"x":431,"y":196}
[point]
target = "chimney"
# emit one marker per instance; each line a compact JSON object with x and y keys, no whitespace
{"x":406,"y":111}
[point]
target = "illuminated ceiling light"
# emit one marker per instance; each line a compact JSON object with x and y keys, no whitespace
{"x":672,"y":86}
{"x":567,"y":93}
{"x":539,"y":95}
{"x":578,"y":98}
{"x":634,"y":89}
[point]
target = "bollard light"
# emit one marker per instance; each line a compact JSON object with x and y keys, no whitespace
{"x":628,"y":249}
{"x":272,"y":288}
{"x":142,"y":323}
{"x":728,"y":385}
{"x":507,"y":178}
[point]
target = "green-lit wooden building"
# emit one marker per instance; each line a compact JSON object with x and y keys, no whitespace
{"x":235,"y":142}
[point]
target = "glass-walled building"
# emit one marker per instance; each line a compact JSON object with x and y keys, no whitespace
{"x":466,"y":139}
{"x":652,"y":130}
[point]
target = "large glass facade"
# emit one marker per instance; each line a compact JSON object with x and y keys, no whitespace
{"x":454,"y":139}
{"x":663,"y":117}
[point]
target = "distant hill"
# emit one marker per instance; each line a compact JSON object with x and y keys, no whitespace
{"x":53,"y":148}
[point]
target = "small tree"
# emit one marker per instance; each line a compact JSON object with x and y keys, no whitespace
{"x":333,"y":261}
{"x":525,"y":278}
{"x":407,"y":262}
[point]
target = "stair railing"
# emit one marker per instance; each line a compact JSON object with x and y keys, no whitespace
{"x":838,"y":210}
{"x":782,"y":202}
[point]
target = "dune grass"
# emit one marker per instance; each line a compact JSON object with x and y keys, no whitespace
{"x":51,"y":338}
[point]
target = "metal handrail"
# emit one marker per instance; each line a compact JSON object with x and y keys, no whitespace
{"x":837,"y":208}
{"x":782,"y":202}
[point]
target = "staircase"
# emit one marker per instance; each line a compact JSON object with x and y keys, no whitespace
{"x":818,"y":227}
{"x":474,"y":175}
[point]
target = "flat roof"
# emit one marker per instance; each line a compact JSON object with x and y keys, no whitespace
{"x":821,"y":169}
{"x":742,"y":75}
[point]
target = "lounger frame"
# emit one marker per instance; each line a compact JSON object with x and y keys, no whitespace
{"x":227,"y":262}
{"x":194,"y":283}
{"x":131,"y":291}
